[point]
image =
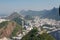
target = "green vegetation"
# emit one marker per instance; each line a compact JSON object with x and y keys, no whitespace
{"x":28,"y":17}
{"x":3,"y":24}
{"x":18,"y":28}
{"x":33,"y":35}
{"x":18,"y":20}
{"x":46,"y":36}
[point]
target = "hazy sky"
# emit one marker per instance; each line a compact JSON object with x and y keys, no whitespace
{"x":9,"y":6}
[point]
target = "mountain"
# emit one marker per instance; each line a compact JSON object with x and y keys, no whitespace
{"x":31,"y":12}
{"x":14,"y":15}
{"x":9,"y":29}
{"x":51,"y":14}
{"x":28,"y":17}
{"x":18,"y":20}
{"x":13,"y":27}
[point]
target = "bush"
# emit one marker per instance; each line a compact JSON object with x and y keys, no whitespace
{"x":3,"y":24}
{"x":33,"y":35}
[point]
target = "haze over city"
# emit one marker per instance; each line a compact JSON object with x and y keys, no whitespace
{"x":9,"y":6}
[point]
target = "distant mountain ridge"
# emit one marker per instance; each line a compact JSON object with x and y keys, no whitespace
{"x":51,"y":14}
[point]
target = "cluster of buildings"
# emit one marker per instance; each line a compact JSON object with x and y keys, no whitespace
{"x":47,"y":24}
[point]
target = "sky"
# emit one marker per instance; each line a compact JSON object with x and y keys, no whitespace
{"x":9,"y":6}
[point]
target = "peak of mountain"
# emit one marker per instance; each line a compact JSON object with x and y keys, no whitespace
{"x":52,"y":14}
{"x":14,"y":15}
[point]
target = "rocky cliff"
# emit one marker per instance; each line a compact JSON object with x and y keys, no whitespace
{"x":7,"y":30}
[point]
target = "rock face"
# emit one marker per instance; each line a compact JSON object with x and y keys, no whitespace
{"x":14,"y":23}
{"x":6,"y":32}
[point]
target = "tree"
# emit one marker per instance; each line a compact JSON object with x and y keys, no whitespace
{"x":33,"y":35}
